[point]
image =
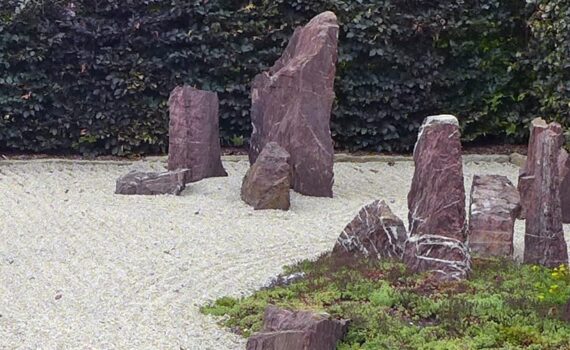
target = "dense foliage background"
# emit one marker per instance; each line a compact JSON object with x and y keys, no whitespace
{"x":93,"y":76}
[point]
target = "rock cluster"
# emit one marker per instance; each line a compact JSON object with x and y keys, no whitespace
{"x":292,"y":102}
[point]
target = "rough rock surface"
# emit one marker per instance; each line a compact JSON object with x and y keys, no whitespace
{"x":436,"y":200}
{"x":150,"y":183}
{"x":495,"y":205}
{"x":544,"y":235}
{"x":375,"y":232}
{"x":447,"y":259}
{"x":292,"y":102}
{"x":538,"y":126}
{"x":266,"y":184}
{"x":301,"y":330}
{"x":193,"y":133}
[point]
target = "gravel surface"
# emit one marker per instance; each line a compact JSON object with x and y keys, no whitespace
{"x":82,"y":268}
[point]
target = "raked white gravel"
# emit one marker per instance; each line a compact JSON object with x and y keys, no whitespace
{"x":83,"y":268}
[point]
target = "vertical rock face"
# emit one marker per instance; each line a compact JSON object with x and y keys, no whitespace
{"x":538,"y":126}
{"x":436,"y":200}
{"x":436,"y":203}
{"x":495,"y":205}
{"x":142,"y":183}
{"x":446,"y":259}
{"x":292,"y":102}
{"x":544,"y":235}
{"x":375,"y":232}
{"x":193,"y":133}
{"x":301,"y":330}
{"x":266,"y":184}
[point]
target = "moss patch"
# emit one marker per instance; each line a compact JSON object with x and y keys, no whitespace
{"x":502,"y":306}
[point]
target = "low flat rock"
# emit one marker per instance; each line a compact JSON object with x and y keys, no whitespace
{"x":495,"y":205}
{"x":152,"y":183}
{"x":194,"y":141}
{"x":292,"y":103}
{"x":446,"y":259}
{"x":266,"y":184}
{"x":375,"y":232}
{"x":300,"y":330}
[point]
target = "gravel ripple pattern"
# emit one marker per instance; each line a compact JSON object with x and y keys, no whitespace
{"x":83,"y":268}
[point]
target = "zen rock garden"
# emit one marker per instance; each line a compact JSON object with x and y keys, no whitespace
{"x":291,"y":148}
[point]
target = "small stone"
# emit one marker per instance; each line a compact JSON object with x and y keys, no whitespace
{"x":151,"y":183}
{"x":375,"y":233}
{"x":194,"y":141}
{"x":495,"y":205}
{"x":292,"y":103}
{"x":266,"y":184}
{"x":446,"y":259}
{"x":300,"y":330}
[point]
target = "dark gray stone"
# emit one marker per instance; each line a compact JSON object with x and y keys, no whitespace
{"x":150,"y":183}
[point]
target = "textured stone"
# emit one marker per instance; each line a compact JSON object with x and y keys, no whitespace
{"x":193,"y":133}
{"x":538,"y":126}
{"x":495,"y":205}
{"x":446,"y":259}
{"x":149,"y":183}
{"x":375,"y":232}
{"x":436,"y":200}
{"x":266,"y":184}
{"x":544,"y":235}
{"x":301,"y":330}
{"x":292,"y":102}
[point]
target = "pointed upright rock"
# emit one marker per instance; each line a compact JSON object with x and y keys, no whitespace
{"x":194,"y":141}
{"x":436,"y":200}
{"x":544,"y":235}
{"x":292,"y":103}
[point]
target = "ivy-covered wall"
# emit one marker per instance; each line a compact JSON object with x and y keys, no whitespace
{"x":93,"y":76}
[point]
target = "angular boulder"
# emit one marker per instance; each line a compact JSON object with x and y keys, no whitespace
{"x":445,"y":259}
{"x":533,"y":162}
{"x":301,"y":330}
{"x":495,"y":205}
{"x":151,"y":183}
{"x":194,"y":141}
{"x":436,"y":200}
{"x":544,"y":234}
{"x":374,"y":233}
{"x":292,"y":103}
{"x":266,"y":184}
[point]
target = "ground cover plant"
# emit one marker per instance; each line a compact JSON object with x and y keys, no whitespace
{"x":502,"y":306}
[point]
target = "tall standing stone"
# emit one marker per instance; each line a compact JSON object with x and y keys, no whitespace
{"x":538,"y":126}
{"x":436,"y":203}
{"x":436,"y":200}
{"x":495,"y":205}
{"x":194,"y":141}
{"x":544,"y":234}
{"x":292,"y":103}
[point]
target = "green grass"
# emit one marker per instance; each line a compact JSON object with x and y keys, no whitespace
{"x":501,"y":306}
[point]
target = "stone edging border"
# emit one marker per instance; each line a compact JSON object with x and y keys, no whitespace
{"x":515,"y":158}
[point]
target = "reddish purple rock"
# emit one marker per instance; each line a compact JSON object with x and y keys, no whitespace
{"x":495,"y":205}
{"x":538,"y":126}
{"x":144,"y":183}
{"x":375,"y":232}
{"x":301,"y":330}
{"x":266,"y":184}
{"x":446,"y":259}
{"x":436,"y":200}
{"x":292,"y":102}
{"x":544,"y":235}
{"x":193,"y":133}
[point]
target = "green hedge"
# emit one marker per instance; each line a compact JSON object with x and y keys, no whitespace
{"x":95,"y":79}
